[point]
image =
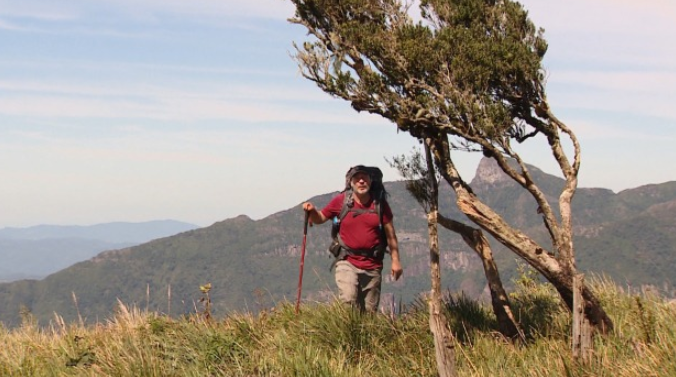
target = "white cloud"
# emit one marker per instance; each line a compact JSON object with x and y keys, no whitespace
{"x":605,"y":130}
{"x":278,"y":9}
{"x":147,"y":10}
{"x":648,"y":94}
{"x":5,"y":25}
{"x":39,"y":10}
{"x":177,"y":101}
{"x":604,"y":16}
{"x":656,"y":82}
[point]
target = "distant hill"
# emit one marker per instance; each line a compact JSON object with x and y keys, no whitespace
{"x":252,"y":264}
{"x":35,"y":259}
{"x":35,"y":252}
{"x":114,"y":232}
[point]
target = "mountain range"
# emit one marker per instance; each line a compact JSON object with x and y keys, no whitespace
{"x":35,"y":252}
{"x":628,"y":236}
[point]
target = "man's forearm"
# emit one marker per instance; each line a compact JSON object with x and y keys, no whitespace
{"x":392,"y":242}
{"x":394,"y":253}
{"x":316,"y":217}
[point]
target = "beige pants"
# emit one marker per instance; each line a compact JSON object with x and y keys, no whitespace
{"x":357,"y":287}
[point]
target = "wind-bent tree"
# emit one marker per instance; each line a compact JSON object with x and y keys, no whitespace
{"x":422,"y":182}
{"x":468,"y":75}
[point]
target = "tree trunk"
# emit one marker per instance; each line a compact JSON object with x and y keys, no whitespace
{"x":581,"y":339}
{"x":499,"y":299}
{"x":443,"y":338}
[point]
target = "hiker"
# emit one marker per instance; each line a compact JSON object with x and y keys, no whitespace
{"x":363,"y":229}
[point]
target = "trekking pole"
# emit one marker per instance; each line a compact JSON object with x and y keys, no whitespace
{"x":302,"y":260}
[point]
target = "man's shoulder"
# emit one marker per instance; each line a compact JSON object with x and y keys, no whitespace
{"x":387,"y":209}
{"x":340,"y":197}
{"x":336,"y":203}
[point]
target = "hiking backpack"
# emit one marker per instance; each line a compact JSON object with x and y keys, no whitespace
{"x":378,"y":193}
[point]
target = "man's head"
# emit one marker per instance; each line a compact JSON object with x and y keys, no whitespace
{"x":359,"y":179}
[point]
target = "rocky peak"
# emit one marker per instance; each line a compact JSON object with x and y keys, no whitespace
{"x":489,"y":173}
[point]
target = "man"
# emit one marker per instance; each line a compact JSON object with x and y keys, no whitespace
{"x":359,"y":274}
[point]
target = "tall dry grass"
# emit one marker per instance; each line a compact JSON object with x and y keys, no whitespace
{"x":331,"y":340}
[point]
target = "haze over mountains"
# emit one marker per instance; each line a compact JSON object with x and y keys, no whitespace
{"x":35,"y":252}
{"x":629,"y":236}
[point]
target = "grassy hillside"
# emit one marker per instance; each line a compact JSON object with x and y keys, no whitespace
{"x":329,"y":340}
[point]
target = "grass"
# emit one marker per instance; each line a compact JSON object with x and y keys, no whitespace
{"x":331,"y":340}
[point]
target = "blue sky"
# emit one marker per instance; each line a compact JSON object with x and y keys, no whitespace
{"x":194,"y":110}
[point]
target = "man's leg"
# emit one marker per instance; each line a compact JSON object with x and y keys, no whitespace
{"x":347,"y":282}
{"x":370,"y":281}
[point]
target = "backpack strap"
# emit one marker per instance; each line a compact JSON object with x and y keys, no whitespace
{"x":348,"y":203}
{"x":380,"y":201}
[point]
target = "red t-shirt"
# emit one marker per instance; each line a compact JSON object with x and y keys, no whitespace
{"x":361,"y":231}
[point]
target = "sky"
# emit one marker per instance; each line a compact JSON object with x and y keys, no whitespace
{"x":121,"y":110}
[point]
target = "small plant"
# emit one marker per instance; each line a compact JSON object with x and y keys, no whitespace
{"x":206,"y":301}
{"x":27,"y":318}
{"x":467,"y":316}
{"x":536,"y":304}
{"x":647,"y":320}
{"x":83,"y":354}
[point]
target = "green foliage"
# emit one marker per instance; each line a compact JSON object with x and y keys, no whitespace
{"x":223,"y":349}
{"x":471,"y":68}
{"x":536,"y":305}
{"x":416,"y":174}
{"x":468,"y":317}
